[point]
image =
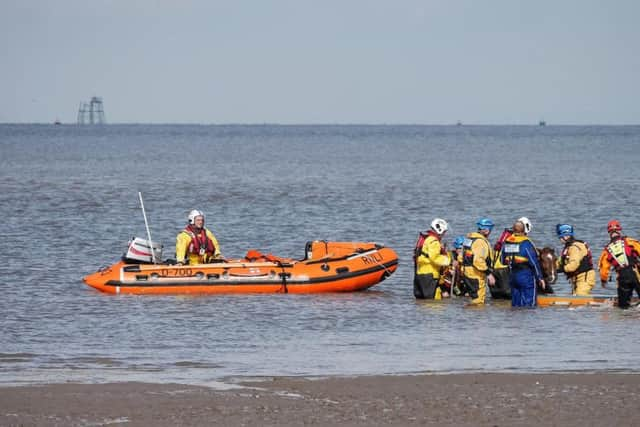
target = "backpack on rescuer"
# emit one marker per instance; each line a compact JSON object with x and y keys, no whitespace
{"x":506,"y":233}
{"x":418,"y":249}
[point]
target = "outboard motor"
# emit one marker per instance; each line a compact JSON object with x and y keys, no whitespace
{"x":139,"y":251}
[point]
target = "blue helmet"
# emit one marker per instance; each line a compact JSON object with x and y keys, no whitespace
{"x":485,"y":224}
{"x":564,"y":230}
{"x":458,"y":242}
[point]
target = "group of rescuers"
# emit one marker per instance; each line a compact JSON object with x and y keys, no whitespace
{"x":475,"y":262}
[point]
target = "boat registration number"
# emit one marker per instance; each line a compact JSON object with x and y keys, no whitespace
{"x":176,"y":272}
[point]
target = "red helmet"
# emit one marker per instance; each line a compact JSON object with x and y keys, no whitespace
{"x":614,"y":225}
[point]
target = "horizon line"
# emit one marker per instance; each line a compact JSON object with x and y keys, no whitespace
{"x":454,"y":124}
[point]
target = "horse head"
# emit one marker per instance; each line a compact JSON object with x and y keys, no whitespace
{"x":547,"y":257}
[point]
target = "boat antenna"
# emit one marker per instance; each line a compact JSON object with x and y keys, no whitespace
{"x":146,"y":224}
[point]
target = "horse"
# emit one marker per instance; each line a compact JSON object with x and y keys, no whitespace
{"x":547,"y":259}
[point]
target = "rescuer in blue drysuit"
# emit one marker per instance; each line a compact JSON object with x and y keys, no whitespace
{"x":520,"y":255}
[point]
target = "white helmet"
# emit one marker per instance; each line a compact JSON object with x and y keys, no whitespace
{"x":527,"y":224}
{"x":439,"y":225}
{"x":193,"y":214}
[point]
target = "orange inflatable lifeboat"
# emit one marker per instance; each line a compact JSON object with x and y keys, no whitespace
{"x":326,"y":267}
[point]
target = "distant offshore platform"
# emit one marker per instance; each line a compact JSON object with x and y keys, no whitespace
{"x":91,"y":113}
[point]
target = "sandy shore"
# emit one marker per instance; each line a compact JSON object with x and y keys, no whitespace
{"x":438,"y":400}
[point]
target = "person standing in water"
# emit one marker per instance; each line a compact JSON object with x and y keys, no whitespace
{"x":477,"y":261}
{"x":623,"y":254}
{"x":519,"y":253}
{"x":430,"y":256}
{"x":576,"y":261}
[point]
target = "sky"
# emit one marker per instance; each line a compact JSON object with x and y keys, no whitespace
{"x":314,"y":62}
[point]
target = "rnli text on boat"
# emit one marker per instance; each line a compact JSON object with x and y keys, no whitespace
{"x":374,"y":258}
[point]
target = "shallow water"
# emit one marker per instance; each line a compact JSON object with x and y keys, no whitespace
{"x":68,"y":199}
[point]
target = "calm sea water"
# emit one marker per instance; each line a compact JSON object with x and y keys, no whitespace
{"x":69,"y":204}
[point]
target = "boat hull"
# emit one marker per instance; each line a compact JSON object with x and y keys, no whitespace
{"x":356,"y":271}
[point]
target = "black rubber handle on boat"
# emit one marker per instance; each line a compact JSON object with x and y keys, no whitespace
{"x":284,"y":276}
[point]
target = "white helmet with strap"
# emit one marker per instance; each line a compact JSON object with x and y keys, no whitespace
{"x":527,"y":224}
{"x":439,"y":225}
{"x":193,"y":215}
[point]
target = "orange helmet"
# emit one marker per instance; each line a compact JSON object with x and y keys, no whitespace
{"x":614,"y":225}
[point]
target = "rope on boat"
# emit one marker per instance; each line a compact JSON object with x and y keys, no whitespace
{"x":386,"y":270}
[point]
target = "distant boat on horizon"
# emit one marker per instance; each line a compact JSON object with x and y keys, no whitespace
{"x":57,"y":122}
{"x":542,"y":123}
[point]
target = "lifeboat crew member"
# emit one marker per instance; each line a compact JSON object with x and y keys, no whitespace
{"x":576,"y":261}
{"x":477,"y":260}
{"x":623,"y":254}
{"x":196,"y":244}
{"x":527,"y":229}
{"x":520,"y":255}
{"x":431,"y":256}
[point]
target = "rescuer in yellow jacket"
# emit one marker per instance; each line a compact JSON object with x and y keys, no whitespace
{"x":623,"y":254}
{"x":195,"y":244}
{"x":477,"y":260}
{"x":576,"y":261}
{"x":430,"y":257}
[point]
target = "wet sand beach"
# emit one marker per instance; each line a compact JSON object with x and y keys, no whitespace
{"x":600,"y":399}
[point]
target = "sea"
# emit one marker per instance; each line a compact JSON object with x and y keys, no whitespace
{"x":69,"y":204}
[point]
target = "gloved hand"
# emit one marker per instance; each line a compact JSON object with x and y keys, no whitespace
{"x":491,"y":280}
{"x":543,"y":285}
